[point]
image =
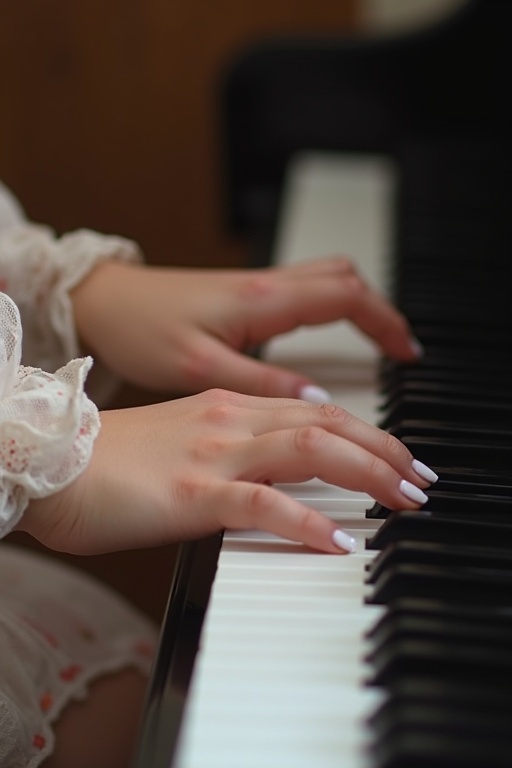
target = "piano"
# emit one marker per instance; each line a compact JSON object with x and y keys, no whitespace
{"x":398,"y":656}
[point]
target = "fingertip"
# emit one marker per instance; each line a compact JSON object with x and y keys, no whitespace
{"x":425,"y":472}
{"x":314,"y":394}
{"x":412,"y":492}
{"x":416,"y":348}
{"x":343,"y":541}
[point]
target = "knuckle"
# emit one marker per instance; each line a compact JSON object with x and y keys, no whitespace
{"x":255,"y":286}
{"x":207,"y":450}
{"x":377,"y":470}
{"x":355,"y":286}
{"x":394,"y":448}
{"x":309,"y":439}
{"x":344,"y":265}
{"x":260,"y":502}
{"x":221,"y":414}
{"x":335,"y":413}
{"x":219,"y":407}
{"x":187,"y":490}
{"x":306,"y":522}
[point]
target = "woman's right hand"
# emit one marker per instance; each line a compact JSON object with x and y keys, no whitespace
{"x":184,"y":469}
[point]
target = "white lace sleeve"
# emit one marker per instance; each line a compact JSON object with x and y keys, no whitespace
{"x":38,"y":270}
{"x":47,"y":424}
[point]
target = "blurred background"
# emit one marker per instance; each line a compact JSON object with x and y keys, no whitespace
{"x":110,"y":120}
{"x":109,"y":109}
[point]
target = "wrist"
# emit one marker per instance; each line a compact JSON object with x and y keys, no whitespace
{"x":91,"y":299}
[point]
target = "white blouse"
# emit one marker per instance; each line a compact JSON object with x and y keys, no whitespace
{"x":38,"y":270}
{"x":59,"y":629}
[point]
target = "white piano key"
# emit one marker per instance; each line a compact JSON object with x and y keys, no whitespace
{"x":335,"y":204}
{"x":279,"y":678}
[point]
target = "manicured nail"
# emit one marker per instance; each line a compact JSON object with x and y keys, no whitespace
{"x":314,"y":394}
{"x":423,"y":471}
{"x":413,"y":492}
{"x":417,"y":347}
{"x":343,"y":541}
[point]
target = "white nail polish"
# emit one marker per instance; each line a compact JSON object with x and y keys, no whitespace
{"x":314,"y":394}
{"x":413,"y":492}
{"x":417,"y":348}
{"x":425,"y":472}
{"x":344,"y":541}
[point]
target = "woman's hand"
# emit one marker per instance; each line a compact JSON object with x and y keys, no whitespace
{"x":187,"y":330}
{"x":187,"y":468}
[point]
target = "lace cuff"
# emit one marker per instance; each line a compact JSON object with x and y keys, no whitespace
{"x":47,"y":424}
{"x":38,"y":271}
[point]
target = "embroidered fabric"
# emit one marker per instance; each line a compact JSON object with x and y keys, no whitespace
{"x":59,"y":630}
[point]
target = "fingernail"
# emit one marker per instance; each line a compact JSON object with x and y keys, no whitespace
{"x":423,"y":471}
{"x":417,"y":347}
{"x":413,"y":492}
{"x":343,"y":541}
{"x":314,"y":394}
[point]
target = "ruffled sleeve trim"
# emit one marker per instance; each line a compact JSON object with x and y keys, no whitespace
{"x":47,"y":424}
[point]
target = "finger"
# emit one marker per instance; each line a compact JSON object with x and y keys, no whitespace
{"x":326,"y":265}
{"x":341,"y":422}
{"x":287,"y":302}
{"x":298,"y":455}
{"x":227,"y":368}
{"x":263,"y":415}
{"x":244,"y":505}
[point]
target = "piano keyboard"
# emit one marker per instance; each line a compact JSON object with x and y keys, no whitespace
{"x":442,"y":649}
{"x":279,"y":676}
{"x":398,"y":655}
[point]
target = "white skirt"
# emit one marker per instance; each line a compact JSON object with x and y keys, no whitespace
{"x":59,"y":630}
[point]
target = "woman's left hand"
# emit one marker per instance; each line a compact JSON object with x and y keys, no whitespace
{"x":187,"y":330}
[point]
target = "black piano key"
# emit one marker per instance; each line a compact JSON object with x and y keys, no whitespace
{"x":483,"y":708}
{"x":458,"y":722}
{"x":422,"y":525}
{"x":459,"y":634}
{"x":419,"y":737}
{"x":445,"y":387}
{"x":440,"y":359}
{"x":489,"y":414}
{"x":480,"y":484}
{"x":444,"y":391}
{"x":441,"y":647}
{"x":412,"y":428}
{"x":478,"y":586}
{"x":473,"y":475}
{"x":441,"y":554}
{"x":480,"y":346}
{"x":498,"y":616}
{"x":430,"y":317}
{"x":466,"y":506}
{"x":455,"y":452}
{"x":439,"y":660}
{"x":475,"y":381}
{"x":463,"y":694}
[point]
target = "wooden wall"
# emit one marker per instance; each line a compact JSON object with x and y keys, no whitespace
{"x":108,"y":120}
{"x":108,"y":111}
